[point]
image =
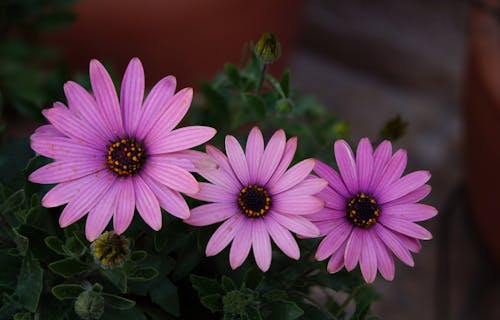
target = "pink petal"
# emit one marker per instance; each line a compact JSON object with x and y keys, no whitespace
{"x":211,"y":213}
{"x":336,"y":261}
{"x":241,"y":245}
{"x":170,"y":200}
{"x":47,"y":130}
{"x":155,"y":105}
{"x":403,"y":186}
{"x":223,"y":178}
{"x":364,"y":164}
{"x":293,"y":176}
{"x":125,"y":205}
{"x":347,"y":165}
{"x":405,"y":227}
{"x":180,"y":139}
{"x":393,"y":171}
{"x":72,"y":127}
{"x":385,"y":262}
{"x":297,"y":204}
{"x":172,"y":176}
{"x":381,"y":156}
{"x":335,"y":182}
{"x":296,"y":224}
{"x":290,"y":148}
{"x":326,"y":226}
{"x":261,"y":245}
{"x":175,"y":159}
{"x":368,"y":258}
{"x":309,"y":186}
{"x":326,"y":214}
{"x":332,"y":199}
{"x":99,"y":216}
{"x":66,"y":170}
{"x":175,"y":110}
{"x":147,"y":204}
{"x":353,"y":248}
{"x":107,"y":100}
{"x":219,"y":157}
{"x":283,"y":238}
{"x":334,"y":240}
{"x":198,"y":160}
{"x":393,"y":243}
{"x":224,"y":234}
{"x":86,"y":198}
{"x":64,"y":148}
{"x":411,"y":212}
{"x":132,"y":94}
{"x":84,"y":106}
{"x":271,"y":157}
{"x":237,"y":159}
{"x":64,"y":192}
{"x":414,"y":196}
{"x":214,"y":193}
{"x":253,"y":152}
{"x":411,"y":244}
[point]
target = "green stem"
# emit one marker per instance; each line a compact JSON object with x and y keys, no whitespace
{"x":262,"y":76}
{"x":348,"y":299}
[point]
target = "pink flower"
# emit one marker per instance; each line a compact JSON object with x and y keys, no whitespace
{"x":257,"y":198}
{"x":114,"y":156}
{"x":371,"y":210}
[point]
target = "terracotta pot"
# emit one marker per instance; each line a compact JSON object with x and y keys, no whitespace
{"x":482,"y":118}
{"x":190,"y":39}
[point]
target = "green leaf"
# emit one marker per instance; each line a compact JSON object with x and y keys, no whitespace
{"x":364,"y":298}
{"x":284,"y":310}
{"x":117,"y":278}
{"x":213,"y":302}
{"x":9,"y":269}
{"x":138,"y":255}
{"x":253,"y":314}
{"x":68,"y":267}
{"x":29,"y":283}
{"x":130,"y":314}
{"x":228,"y":283}
{"x":22,"y":316}
{"x":74,"y":247}
{"x":55,"y":244}
{"x":253,"y":278}
{"x":13,"y":202}
{"x":255,"y":104}
{"x":276,"y":295}
{"x":232,"y":74}
{"x":66,"y":291}
{"x":206,"y":286}
{"x":22,"y":243}
{"x":144,"y":274}
{"x":285,"y":82}
{"x":164,"y":294}
{"x":118,"y":302}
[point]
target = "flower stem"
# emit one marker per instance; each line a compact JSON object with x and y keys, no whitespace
{"x":262,"y":76}
{"x":348,"y":299}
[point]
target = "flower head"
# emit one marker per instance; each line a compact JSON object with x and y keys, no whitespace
{"x":371,"y":210}
{"x":110,"y":250}
{"x":257,"y":198}
{"x":114,"y":155}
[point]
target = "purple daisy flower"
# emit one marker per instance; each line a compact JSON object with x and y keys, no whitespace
{"x":114,"y":156}
{"x":371,"y":210}
{"x":258,"y":198}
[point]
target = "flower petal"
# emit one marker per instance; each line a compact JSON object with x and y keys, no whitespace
{"x":392,"y":171}
{"x":261,"y":245}
{"x":214,"y":193}
{"x":326,"y":214}
{"x":66,"y":170}
{"x":172,"y":176}
{"x":253,"y":152}
{"x":105,"y":95}
{"x":221,"y":177}
{"x":392,"y":242}
{"x":412,"y":197}
{"x":283,"y":238}
{"x":170,"y":200}
{"x":364,"y":164}
{"x":47,"y":130}
{"x":290,"y":148}
{"x":333,"y":241}
{"x":271,"y":157}
{"x":368,"y":258}
{"x":405,"y":227}
{"x":309,"y":186}
{"x":99,"y":216}
{"x":332,"y":199}
{"x":64,"y":192}
{"x":241,"y":245}
{"x":219,"y":157}
{"x":237,"y":159}
{"x":347,"y":165}
{"x":353,"y":248}
{"x":381,"y":156}
{"x":334,"y":180}
{"x":155,"y":105}
{"x":326,"y":226}
{"x":131,"y":95}
{"x":297,"y":204}
{"x":223,"y":235}
{"x":385,"y":262}
{"x":293,"y":176}
{"x":336,"y":262}
{"x":411,"y":212}
{"x":147,"y":204}
{"x":211,"y":213}
{"x":64,"y":148}
{"x":180,"y":139}
{"x":403,"y":186}
{"x":296,"y":224}
{"x":125,"y":205}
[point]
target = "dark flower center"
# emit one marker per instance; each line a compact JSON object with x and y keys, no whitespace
{"x":362,"y":210}
{"x":125,"y":157}
{"x":254,"y":201}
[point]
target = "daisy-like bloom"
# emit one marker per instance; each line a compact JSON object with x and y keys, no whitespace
{"x":112,"y":156}
{"x":371,"y":210}
{"x":258,"y":198}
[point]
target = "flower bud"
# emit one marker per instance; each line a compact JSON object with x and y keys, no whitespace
{"x":268,"y":49}
{"x":284,"y":106}
{"x":110,"y":250}
{"x":89,"y":305}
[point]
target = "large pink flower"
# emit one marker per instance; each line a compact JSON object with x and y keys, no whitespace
{"x":114,"y":156}
{"x":258,"y":198}
{"x":371,"y":210}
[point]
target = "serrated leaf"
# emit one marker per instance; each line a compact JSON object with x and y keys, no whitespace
{"x":29,"y":283}
{"x":284,"y":310}
{"x":144,"y":274}
{"x":68,"y":267}
{"x":55,"y":244}
{"x":164,"y":294}
{"x":66,"y":291}
{"x":206,"y":286}
{"x":213,"y":302}
{"x":118,"y":302}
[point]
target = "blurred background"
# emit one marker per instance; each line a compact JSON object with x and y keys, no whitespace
{"x":435,"y":63}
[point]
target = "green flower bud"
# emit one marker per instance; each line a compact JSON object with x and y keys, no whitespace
{"x":89,"y":305}
{"x":110,"y":250}
{"x":268,"y":48}
{"x":235,"y":302}
{"x":284,"y":106}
